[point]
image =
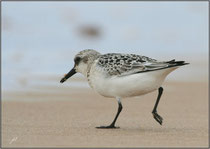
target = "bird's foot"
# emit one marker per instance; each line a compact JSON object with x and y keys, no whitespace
{"x":157,"y":117}
{"x":107,"y":127}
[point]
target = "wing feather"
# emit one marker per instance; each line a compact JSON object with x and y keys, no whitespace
{"x":126,"y":64}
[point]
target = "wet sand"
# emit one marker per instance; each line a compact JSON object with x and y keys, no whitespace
{"x":67,"y":117}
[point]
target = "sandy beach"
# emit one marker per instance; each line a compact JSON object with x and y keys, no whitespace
{"x":67,"y":117}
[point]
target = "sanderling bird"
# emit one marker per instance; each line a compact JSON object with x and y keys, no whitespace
{"x":119,"y":75}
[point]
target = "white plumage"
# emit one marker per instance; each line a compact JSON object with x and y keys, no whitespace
{"x":128,"y":85}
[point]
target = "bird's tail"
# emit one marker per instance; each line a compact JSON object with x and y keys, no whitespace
{"x":177,"y":63}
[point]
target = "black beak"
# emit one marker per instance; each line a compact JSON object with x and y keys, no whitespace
{"x":68,"y":75}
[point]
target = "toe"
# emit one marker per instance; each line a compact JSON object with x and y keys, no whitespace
{"x":158,"y":118}
{"x":107,"y":127}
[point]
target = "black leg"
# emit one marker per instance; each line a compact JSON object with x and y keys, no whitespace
{"x":156,"y":116}
{"x":112,"y":125}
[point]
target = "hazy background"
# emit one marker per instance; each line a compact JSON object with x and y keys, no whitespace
{"x":40,"y":39}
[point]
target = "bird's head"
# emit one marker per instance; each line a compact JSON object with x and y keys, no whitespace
{"x":82,"y":62}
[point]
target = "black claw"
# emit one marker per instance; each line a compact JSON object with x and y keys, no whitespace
{"x":157,"y":117}
{"x":107,"y":127}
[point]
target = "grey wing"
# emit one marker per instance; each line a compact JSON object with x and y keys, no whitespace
{"x":126,"y":64}
{"x":139,"y":67}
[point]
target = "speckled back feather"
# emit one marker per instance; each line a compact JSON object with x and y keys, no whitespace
{"x":125,"y":64}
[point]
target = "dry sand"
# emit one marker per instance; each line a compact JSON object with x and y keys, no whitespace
{"x":65,"y":117}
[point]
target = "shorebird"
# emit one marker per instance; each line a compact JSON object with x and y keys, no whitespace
{"x":118,"y":75}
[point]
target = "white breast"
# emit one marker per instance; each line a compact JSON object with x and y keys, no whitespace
{"x":127,"y":86}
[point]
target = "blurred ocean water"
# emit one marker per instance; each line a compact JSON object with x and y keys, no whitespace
{"x":40,"y":39}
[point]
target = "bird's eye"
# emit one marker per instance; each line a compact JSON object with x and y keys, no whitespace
{"x":77,"y":60}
